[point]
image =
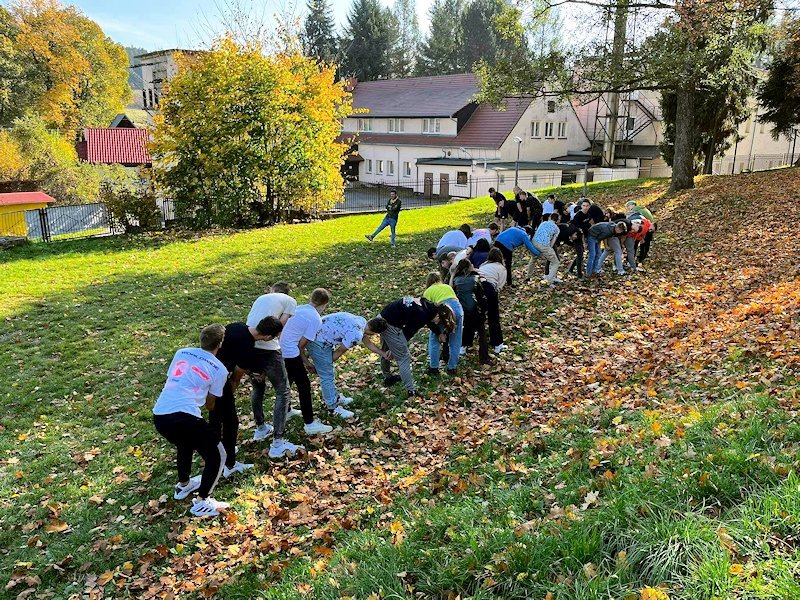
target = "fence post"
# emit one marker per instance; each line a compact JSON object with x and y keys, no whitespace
{"x":43,"y":225}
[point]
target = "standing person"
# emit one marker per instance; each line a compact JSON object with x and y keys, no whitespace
{"x":598,"y":233}
{"x":238,"y":354}
{"x":279,"y":304}
{"x":339,"y":333}
{"x":548,"y":206}
{"x":393,"y":207}
{"x":508,"y":241}
{"x":501,"y":210}
{"x":404,"y":318}
{"x":442,"y":294}
{"x":195,"y":377}
{"x":544,"y":240}
{"x":470,"y":294}
{"x":494,"y":278}
{"x":301,"y":328}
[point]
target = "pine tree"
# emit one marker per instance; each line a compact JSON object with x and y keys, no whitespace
{"x":406,"y":39}
{"x":441,"y":52}
{"x":481,"y":39}
{"x":319,"y":40}
{"x":367,"y":43}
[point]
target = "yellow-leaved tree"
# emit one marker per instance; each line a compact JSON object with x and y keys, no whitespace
{"x":247,"y":138}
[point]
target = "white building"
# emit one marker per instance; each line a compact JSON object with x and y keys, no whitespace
{"x":153,"y":70}
{"x":428,"y":134}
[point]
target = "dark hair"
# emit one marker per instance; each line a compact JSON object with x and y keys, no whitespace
{"x":392,"y":191}
{"x":280,"y":287}
{"x":377,"y":325}
{"x":466,"y":230}
{"x":320,"y":297}
{"x":464,"y":267}
{"x":211,"y":336}
{"x":447,"y":320}
{"x":482,"y":245}
{"x":559,"y":205}
{"x":582,"y":200}
{"x":492,"y":190}
{"x":431,"y":252}
{"x":553,"y":196}
{"x":529,"y":230}
{"x":269,"y":326}
{"x":554,"y":216}
{"x":493,"y":226}
{"x":625,"y":228}
{"x":495,"y":256}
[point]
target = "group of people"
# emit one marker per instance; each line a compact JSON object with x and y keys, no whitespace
{"x":284,"y":343}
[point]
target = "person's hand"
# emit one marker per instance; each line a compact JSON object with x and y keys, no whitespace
{"x":387,"y":355}
{"x":442,"y":338}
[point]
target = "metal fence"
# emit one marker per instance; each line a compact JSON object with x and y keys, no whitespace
{"x":59,"y":223}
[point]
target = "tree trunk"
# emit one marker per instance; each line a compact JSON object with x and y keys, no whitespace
{"x":683,"y":162}
{"x":708,"y":164}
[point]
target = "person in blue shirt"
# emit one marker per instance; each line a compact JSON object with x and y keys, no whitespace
{"x":511,"y":239}
{"x":544,"y":240}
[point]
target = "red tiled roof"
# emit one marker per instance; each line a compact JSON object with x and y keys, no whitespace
{"x":437,"y":96}
{"x":488,"y":127}
{"x":24,"y":198}
{"x":124,"y":146}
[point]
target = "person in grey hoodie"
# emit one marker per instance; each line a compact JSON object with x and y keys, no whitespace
{"x":597,"y":233}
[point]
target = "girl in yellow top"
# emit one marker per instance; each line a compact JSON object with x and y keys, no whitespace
{"x":441,"y":293}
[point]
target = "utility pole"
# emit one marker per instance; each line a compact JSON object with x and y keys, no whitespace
{"x":617,"y":61}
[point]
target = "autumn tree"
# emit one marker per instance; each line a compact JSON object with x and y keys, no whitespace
{"x":247,"y":138}
{"x":367,"y":42}
{"x":71,"y":73}
{"x":406,"y":38}
{"x":440,"y":52}
{"x":779,"y":94}
{"x":481,"y":40}
{"x":318,"y":36}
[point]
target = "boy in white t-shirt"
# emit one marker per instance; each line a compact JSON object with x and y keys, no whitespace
{"x":195,"y":378}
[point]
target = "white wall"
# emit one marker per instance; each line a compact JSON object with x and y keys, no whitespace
{"x":605,"y":174}
{"x":543,"y":147}
{"x":448,"y":127}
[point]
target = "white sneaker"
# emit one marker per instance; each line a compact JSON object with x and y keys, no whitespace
{"x":558,"y":280}
{"x":463,"y":351}
{"x":641,"y":269}
{"x":500,"y":348}
{"x":182,"y":492}
{"x":342,"y":413}
{"x":207,"y":507}
{"x":281,"y":448}
{"x":237,"y":468}
{"x":292,"y":413}
{"x":343,"y":400}
{"x":317,"y":427}
{"x":262,"y":432}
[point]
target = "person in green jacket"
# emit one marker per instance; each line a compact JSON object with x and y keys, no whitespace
{"x":390,"y":220}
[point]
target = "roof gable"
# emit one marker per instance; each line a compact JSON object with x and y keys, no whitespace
{"x":438,"y":96}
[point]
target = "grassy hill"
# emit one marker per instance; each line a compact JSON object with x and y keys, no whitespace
{"x":638,"y":440}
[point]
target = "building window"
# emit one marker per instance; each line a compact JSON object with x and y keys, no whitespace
{"x":548,"y":129}
{"x":534,"y":179}
{"x":536,"y":129}
{"x":365,"y":124}
{"x":144,"y":98}
{"x":391,"y":167}
{"x":631,"y":124}
{"x":150,"y":97}
{"x":369,"y":165}
{"x":397,"y":125}
{"x":747,"y":126}
{"x":562,"y":129}
{"x":431,"y":125}
{"x":380,"y":167}
{"x":551,"y":106}
{"x":406,"y":169}
{"x":461,"y":178}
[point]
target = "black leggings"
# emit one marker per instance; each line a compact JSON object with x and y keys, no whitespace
{"x":298,"y":375}
{"x":225,"y":423}
{"x":475,"y":323}
{"x":493,"y":314}
{"x":508,"y":256}
{"x":191,"y":434}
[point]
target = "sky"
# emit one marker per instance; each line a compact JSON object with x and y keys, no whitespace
{"x":162,"y":24}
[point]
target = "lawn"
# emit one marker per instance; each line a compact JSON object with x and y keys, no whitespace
{"x":639,"y":439}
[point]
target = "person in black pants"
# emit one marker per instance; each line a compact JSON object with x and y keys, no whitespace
{"x":195,"y":377}
{"x":239,"y":356}
{"x":469,"y":290}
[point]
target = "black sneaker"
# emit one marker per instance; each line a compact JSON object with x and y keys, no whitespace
{"x":391,"y":380}
{"x":414,"y":394}
{"x":451,"y":372}
{"x":432,"y":372}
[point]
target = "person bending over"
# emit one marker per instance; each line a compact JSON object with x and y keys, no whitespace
{"x":493,"y":275}
{"x":469,"y":290}
{"x":442,"y":294}
{"x":511,"y":239}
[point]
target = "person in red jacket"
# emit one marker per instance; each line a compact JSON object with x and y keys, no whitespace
{"x":640,"y":228}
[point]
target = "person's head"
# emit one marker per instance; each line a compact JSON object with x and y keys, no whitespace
{"x":376,"y":326}
{"x":445,"y":318}
{"x":551,"y":197}
{"x":610,"y":212}
{"x":636,"y":226}
{"x":482,"y":245}
{"x":554,"y":216}
{"x":559,"y":205}
{"x":447,"y":260}
{"x":432,"y":279}
{"x":280,"y":287}
{"x":431,"y":253}
{"x":268,"y":328}
{"x":529,"y":230}
{"x":492,"y":192}
{"x":211,"y":337}
{"x":393,"y":194}
{"x":620,"y":227}
{"x":585,"y":205}
{"x":466,"y":230}
{"x":494,"y":230}
{"x":319,"y":299}
{"x":464,"y":267}
{"x":630,"y":204}
{"x":495,"y":256}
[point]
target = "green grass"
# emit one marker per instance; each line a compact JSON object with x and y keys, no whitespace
{"x":88,"y":328}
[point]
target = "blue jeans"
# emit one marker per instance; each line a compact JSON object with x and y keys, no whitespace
{"x":593,"y":260}
{"x":387,"y":222}
{"x":322,"y":356}
{"x":614,"y":245}
{"x":453,"y":341}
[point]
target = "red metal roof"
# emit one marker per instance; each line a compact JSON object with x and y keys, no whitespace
{"x":488,"y":127}
{"x":124,"y":146}
{"x":437,"y":96}
{"x":24,"y":198}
